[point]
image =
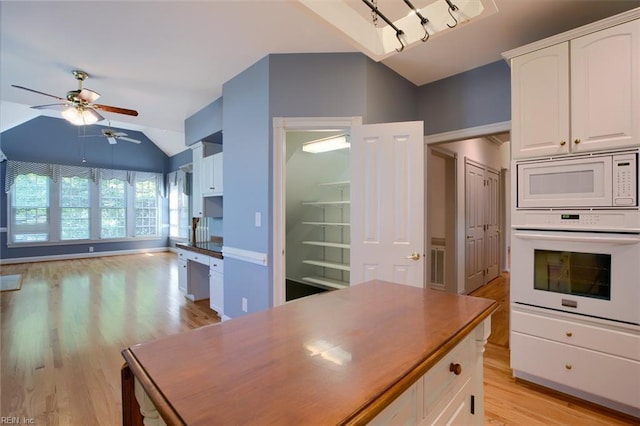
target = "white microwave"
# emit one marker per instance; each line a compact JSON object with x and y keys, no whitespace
{"x":602,"y":181}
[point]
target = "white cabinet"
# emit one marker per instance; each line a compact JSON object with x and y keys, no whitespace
{"x":183,"y":274}
{"x":578,"y":95}
{"x":451,"y":392}
{"x":216,"y":285}
{"x":212,"y":175}
{"x":593,"y":359}
{"x":330,"y":236}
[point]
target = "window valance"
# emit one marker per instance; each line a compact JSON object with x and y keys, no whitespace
{"x":57,"y":171}
{"x":179,"y":179}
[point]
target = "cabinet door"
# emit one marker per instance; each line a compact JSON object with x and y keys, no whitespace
{"x":182,"y":275}
{"x":216,"y":173}
{"x":206,"y":178}
{"x":605,"y":88}
{"x":540,"y":102}
{"x":216,"y":286}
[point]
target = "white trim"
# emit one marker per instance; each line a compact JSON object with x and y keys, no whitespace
{"x":611,"y":21}
{"x":4,"y":229}
{"x":280,"y":127}
{"x":244,"y":255}
{"x":468,"y":133}
{"x":225,"y":318}
{"x":72,"y":256}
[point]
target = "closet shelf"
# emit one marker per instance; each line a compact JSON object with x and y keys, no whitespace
{"x":326,"y":244}
{"x":326,"y":203}
{"x":331,"y":265}
{"x":326,"y":282}
{"x":327,"y":223}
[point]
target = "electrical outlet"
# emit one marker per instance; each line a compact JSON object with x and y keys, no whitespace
{"x":244,"y":304}
{"x":90,"y":249}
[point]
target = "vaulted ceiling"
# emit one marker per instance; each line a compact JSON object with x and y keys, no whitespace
{"x":169,"y":59}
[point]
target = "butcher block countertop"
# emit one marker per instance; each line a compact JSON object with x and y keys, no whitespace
{"x":335,"y":358}
{"x":208,"y":248}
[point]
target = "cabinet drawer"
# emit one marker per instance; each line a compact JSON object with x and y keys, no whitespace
{"x":216,"y":265}
{"x":402,"y":411}
{"x":441,"y":384}
{"x":592,"y":372}
{"x":577,"y":333}
{"x":197,"y":257}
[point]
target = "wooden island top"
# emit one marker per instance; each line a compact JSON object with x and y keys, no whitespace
{"x":335,"y":358}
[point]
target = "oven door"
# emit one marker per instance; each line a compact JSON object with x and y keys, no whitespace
{"x":586,"y":273}
{"x":578,"y":182}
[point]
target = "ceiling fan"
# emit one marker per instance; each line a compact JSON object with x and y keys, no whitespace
{"x":114,"y":137}
{"x":80,"y":107}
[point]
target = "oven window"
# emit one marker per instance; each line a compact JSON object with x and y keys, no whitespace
{"x":579,"y":274}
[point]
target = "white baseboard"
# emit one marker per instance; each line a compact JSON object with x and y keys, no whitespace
{"x":81,"y":255}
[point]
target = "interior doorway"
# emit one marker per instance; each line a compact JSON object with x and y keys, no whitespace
{"x":487,"y":147}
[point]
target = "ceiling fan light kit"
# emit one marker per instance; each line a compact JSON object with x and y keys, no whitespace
{"x":80,"y":109}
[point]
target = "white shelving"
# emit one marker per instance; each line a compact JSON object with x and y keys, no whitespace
{"x":328,"y":254}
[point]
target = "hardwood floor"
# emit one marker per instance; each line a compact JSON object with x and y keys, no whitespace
{"x":62,"y":334}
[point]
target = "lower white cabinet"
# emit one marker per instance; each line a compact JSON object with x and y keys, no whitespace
{"x":216,"y":285}
{"x":450,"y":393}
{"x":183,"y":274}
{"x":592,"y":359}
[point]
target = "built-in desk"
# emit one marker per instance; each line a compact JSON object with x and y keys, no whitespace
{"x":376,"y":352}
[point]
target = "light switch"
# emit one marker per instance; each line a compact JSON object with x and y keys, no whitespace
{"x":258,"y":220}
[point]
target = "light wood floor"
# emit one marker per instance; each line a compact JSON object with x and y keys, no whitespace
{"x":62,"y":333}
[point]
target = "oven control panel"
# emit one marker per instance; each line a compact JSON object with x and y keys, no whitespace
{"x":625,"y":177}
{"x":586,"y":220}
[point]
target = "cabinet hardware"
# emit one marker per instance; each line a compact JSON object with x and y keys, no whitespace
{"x":577,"y":141}
{"x":563,"y":143}
{"x":469,"y":237}
{"x":455,"y":368}
{"x":568,"y":366}
{"x":569,"y":334}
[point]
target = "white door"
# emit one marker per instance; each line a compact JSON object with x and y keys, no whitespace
{"x":474,"y":217}
{"x":387,"y":203}
{"x":492,"y":220}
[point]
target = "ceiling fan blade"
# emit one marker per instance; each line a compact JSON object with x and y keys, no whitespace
{"x":48,"y":106}
{"x":36,"y":91}
{"x":116,"y":109}
{"x":111,"y":140}
{"x":88,"y":95}
{"x":128,"y":139}
{"x":119,"y":134}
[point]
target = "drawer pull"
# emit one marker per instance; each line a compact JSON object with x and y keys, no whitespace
{"x":568,"y":366}
{"x":569,"y":334}
{"x":563,"y":143}
{"x":455,"y":369}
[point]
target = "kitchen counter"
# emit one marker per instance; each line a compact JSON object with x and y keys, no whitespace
{"x":212,"y":249}
{"x":336,"y":358}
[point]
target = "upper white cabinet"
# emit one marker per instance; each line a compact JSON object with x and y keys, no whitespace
{"x":579,"y":95}
{"x":212,"y":175}
{"x":196,"y":185}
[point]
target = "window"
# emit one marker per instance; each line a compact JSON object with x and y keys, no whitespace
{"x":54,"y":204}
{"x":146,"y":208}
{"x":30,"y":208}
{"x":75,"y":204}
{"x":113,"y":209}
{"x":178,"y":205}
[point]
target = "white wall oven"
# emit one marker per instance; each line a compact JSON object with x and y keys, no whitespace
{"x":595,"y":274}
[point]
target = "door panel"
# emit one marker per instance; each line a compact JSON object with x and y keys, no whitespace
{"x":474,"y":206}
{"x":492,"y":219}
{"x":387,"y":203}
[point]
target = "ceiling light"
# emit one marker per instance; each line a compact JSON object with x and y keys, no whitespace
{"x":331,"y":143}
{"x":80,"y":116}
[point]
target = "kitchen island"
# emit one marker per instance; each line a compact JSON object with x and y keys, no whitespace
{"x":376,"y":352}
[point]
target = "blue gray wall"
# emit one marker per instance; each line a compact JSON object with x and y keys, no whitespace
{"x":474,"y":98}
{"x":180,"y":159}
{"x":203,"y":123}
{"x":55,"y":141}
{"x":288,"y":85}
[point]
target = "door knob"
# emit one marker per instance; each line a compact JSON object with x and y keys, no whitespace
{"x":469,"y":237}
{"x":414,"y":256}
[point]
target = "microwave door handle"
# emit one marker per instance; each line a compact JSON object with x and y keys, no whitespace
{"x":579,"y":239}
